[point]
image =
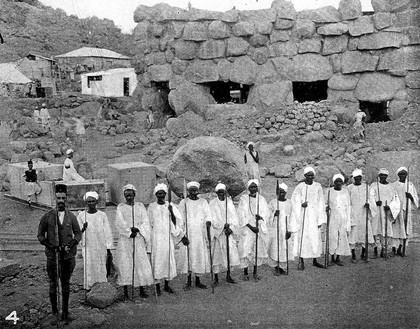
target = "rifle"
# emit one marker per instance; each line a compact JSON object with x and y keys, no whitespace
{"x":386,"y":231}
{"x":227,"y":237}
{"x":211,"y":259}
{"x":256,"y":239}
{"x":134,"y":251}
{"x":185,"y":193}
{"x":303,"y":226}
{"x":367,"y":226}
{"x":407,"y":205}
{"x":327,"y":231}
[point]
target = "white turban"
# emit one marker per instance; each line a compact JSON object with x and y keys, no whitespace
{"x":250,"y":143}
{"x":129,"y":187}
{"x":357,"y":172}
{"x":401,"y":169}
{"x":308,"y":169}
{"x":160,"y":187}
{"x":91,"y":194}
{"x":253,"y":181}
{"x":383,"y":171}
{"x":337,"y":176}
{"x":69,"y":151}
{"x":283,"y":186}
{"x":220,"y":186}
{"x":191,"y":184}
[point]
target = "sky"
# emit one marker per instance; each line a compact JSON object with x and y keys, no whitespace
{"x":121,"y":12}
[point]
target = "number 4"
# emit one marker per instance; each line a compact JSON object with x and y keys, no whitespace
{"x":12,"y":317}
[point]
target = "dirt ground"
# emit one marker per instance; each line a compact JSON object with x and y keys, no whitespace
{"x":379,"y":294}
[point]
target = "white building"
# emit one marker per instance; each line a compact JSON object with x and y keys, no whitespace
{"x":111,"y":83}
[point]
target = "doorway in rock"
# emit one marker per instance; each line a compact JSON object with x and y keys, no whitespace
{"x":161,"y":99}
{"x":225,"y":92}
{"x":310,"y":91}
{"x":375,"y":112}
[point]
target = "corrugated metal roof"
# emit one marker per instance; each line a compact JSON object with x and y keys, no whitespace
{"x":92,"y":52}
{"x":10,"y":74}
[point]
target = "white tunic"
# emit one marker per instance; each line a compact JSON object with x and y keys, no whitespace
{"x":358,"y":214}
{"x":252,"y":167}
{"x":340,"y":221}
{"x":95,"y":241}
{"x":387,"y":194}
{"x":278,"y":248}
{"x":247,"y":210}
{"x":195,"y":214}
{"x":309,"y":243}
{"x":124,"y":253}
{"x":162,"y":243}
{"x":219,"y":218}
{"x":398,"y":226}
{"x":69,"y":172}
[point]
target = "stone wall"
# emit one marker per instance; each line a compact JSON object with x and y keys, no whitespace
{"x":364,"y":58}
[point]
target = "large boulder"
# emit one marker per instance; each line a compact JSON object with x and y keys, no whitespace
{"x":333,"y":29}
{"x":236,"y":46}
{"x":360,"y":26}
{"x":357,"y":61}
{"x":271,"y":96}
{"x":327,"y":14}
{"x":406,"y":58}
{"x":378,"y":87}
{"x":311,"y":67}
{"x":397,"y":108}
{"x":160,"y":73}
{"x":9,"y":268}
{"x":350,"y":9}
{"x":380,"y":40}
{"x":195,"y":31}
{"x":390,"y":5}
{"x":208,"y":160}
{"x":279,"y":49}
{"x":201,"y":71}
{"x":244,"y":70}
{"x":304,"y":28}
{"x":187,"y":123}
{"x":285,"y":9}
{"x":335,"y":44}
{"x":185,"y":49}
{"x":212,"y":49}
{"x":219,"y":30}
{"x":102,"y":295}
{"x":343,"y":82}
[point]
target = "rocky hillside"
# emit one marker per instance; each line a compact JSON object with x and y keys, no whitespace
{"x":30,"y":26}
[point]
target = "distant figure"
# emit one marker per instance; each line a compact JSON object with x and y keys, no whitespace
{"x":252,"y":160}
{"x":79,"y":130}
{"x":359,"y":125}
{"x":44,"y":115}
{"x":69,"y":172}
{"x":36,"y":116}
{"x":150,"y":118}
{"x":31,"y":183}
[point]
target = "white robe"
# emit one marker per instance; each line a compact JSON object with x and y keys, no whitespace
{"x":310,"y":246}
{"x":387,"y":194}
{"x":358,"y":214}
{"x":162,"y":242}
{"x":195,"y":214}
{"x":95,"y":241}
{"x":340,"y":221}
{"x":252,"y":167}
{"x":279,"y":249}
{"x":247,"y":210}
{"x":70,"y":173}
{"x":398,"y":226}
{"x":219,"y":246}
{"x":124,"y":253}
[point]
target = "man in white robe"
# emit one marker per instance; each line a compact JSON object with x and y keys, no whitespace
{"x":279,"y":236}
{"x":165,"y":221}
{"x":384,"y":213}
{"x":196,"y":217}
{"x":253,"y":214}
{"x":408,"y":196}
{"x":134,"y":235}
{"x":225,"y":226}
{"x":338,"y":204}
{"x":69,"y":171}
{"x":308,"y":210}
{"x":252,"y":160}
{"x":96,"y":241}
{"x":359,"y":209}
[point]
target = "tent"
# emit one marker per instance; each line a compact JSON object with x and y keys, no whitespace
{"x":10,"y":74}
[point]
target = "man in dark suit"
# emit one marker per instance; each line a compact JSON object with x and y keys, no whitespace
{"x":60,"y":233}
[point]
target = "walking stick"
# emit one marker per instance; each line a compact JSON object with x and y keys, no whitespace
{"x":303,"y":227}
{"x":379,"y":199}
{"x":186,"y":225}
{"x":287,"y":250}
{"x":85,"y":256}
{"x":278,"y":233}
{"x":407,"y":205}
{"x":367,"y":226}
{"x":169,"y":234}
{"x":227,"y":238}
{"x":386,"y":232}
{"x":327,"y":231}
{"x":256,"y":239}
{"x":57,"y":266}
{"x":211,"y":260}
{"x":134,"y":252}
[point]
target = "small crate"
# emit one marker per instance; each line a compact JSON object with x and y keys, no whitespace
{"x":141,"y":175}
{"x":76,"y":191}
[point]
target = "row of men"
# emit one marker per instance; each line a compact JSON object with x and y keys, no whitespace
{"x":257,"y":232}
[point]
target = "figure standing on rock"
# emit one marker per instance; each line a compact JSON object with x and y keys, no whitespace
{"x":69,"y":171}
{"x":252,"y":160}
{"x":31,"y":183}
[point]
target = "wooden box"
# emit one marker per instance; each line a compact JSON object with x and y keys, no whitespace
{"x":76,"y":191}
{"x":141,"y":175}
{"x":46,"y":171}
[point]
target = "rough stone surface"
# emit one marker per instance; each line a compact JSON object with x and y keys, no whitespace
{"x":327,"y":14}
{"x":279,"y":35}
{"x":406,"y":58}
{"x":271,"y":96}
{"x":219,"y":30}
{"x":236,"y":46}
{"x":263,"y":27}
{"x":344,"y":114}
{"x":260,"y":55}
{"x":380,"y":40}
{"x":350,"y":9}
{"x":360,"y":26}
{"x":8,"y":268}
{"x":309,"y":46}
{"x":333,"y":29}
{"x":305,"y":28}
{"x":285,"y":9}
{"x":243,"y":29}
{"x":185,"y":49}
{"x":208,"y":160}
{"x":412,"y":80}
{"x":196,"y":14}
{"x":195,"y":31}
{"x":377,"y":87}
{"x":288,"y":48}
{"x":310,"y":67}
{"x":160,"y":72}
{"x":289,"y":150}
{"x":390,"y":5}
{"x":201,"y":71}
{"x":281,"y":170}
{"x":337,"y":96}
{"x":343,"y":82}
{"x":267,"y":73}
{"x":261,"y":15}
{"x":383,"y":20}
{"x":179,"y":66}
{"x":258,"y":40}
{"x":186,"y":123}
{"x":357,"y":61}
{"x":231,"y":16}
{"x":102,"y":295}
{"x":212,"y":49}
{"x":244,"y":70}
{"x":284,"y":67}
{"x":333,"y":45}
{"x":397,"y":108}
{"x":283,"y":24}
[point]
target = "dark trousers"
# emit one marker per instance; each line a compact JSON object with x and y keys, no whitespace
{"x":65,"y":271}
